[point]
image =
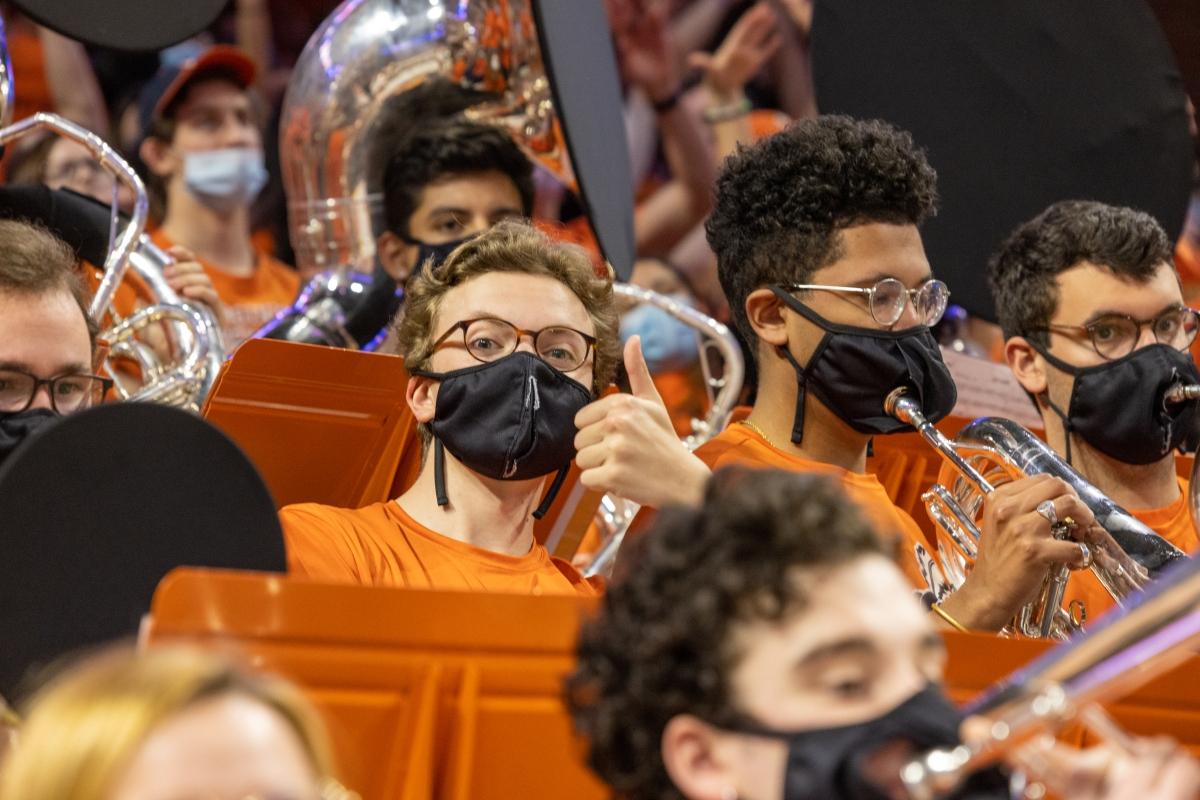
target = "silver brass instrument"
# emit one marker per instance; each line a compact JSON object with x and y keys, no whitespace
{"x":1155,"y":633}
{"x":428,"y":58}
{"x":195,"y":342}
{"x":1187,"y":393}
{"x":615,"y":514}
{"x":994,"y":450}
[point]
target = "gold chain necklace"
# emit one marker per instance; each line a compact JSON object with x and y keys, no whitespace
{"x":759,"y":431}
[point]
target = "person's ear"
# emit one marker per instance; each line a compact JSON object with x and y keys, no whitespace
{"x":1027,"y":364}
{"x":421,"y":395}
{"x":159,"y":157}
{"x":696,"y":761}
{"x":765,"y":312}
{"x":396,"y":256}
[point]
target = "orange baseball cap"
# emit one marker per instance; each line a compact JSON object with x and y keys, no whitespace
{"x":166,"y":85}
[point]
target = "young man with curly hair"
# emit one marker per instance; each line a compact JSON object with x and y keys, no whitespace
{"x":1096,"y":332}
{"x":765,"y":647}
{"x":816,"y":231}
{"x":505,"y":342}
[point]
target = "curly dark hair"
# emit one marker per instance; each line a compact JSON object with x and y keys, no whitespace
{"x":1022,"y":274}
{"x":781,"y":202}
{"x":661,"y":644}
{"x":449,"y":147}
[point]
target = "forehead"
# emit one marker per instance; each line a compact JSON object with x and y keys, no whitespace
{"x":66,"y":150}
{"x":528,"y":301}
{"x":223,"y":747}
{"x":1087,"y":289}
{"x":46,"y":331}
{"x":866,"y":598}
{"x":486,"y":190}
{"x":875,"y":250}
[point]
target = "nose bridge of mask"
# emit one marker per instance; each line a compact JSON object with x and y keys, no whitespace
{"x":524,"y":439}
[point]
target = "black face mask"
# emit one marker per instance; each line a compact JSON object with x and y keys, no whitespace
{"x":833,"y":763}
{"x":853,"y":370}
{"x":16,"y":427}
{"x":1117,"y":407}
{"x":509,"y":419}
{"x":432,"y":256}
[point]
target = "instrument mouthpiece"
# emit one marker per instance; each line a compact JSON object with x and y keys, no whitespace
{"x":1182,"y":393}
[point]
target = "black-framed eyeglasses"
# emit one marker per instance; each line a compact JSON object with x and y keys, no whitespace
{"x":488,"y":339}
{"x":1116,"y":335}
{"x":68,"y":393}
{"x":887,"y":299}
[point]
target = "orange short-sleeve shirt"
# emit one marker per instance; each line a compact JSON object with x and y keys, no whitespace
{"x":250,"y":301}
{"x":739,"y":444}
{"x":1173,"y":523}
{"x":381,"y":545}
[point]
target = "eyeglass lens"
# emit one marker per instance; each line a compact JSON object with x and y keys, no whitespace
{"x":890,"y":296}
{"x":562,"y":348}
{"x":1117,"y":336}
{"x":67,"y":393}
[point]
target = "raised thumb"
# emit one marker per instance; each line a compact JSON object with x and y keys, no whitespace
{"x":641,"y":384}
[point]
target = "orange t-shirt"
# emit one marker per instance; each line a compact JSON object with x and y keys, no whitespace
{"x":381,"y":545}
{"x":1173,"y":523}
{"x":250,"y":301}
{"x":739,"y":444}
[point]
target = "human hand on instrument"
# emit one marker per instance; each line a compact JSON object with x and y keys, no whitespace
{"x":752,"y":40}
{"x":189,"y":280}
{"x":646,"y":57}
{"x":1138,"y":768}
{"x":627,"y":446}
{"x":1017,"y":548}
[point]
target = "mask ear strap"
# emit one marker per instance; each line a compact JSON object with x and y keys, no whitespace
{"x":801,"y":381}
{"x":548,"y":500}
{"x":1064,"y":367}
{"x":439,"y":472}
{"x":1068,"y":428}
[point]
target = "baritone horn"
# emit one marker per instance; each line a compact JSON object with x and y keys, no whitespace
{"x":1127,"y":649}
{"x":992,"y":450}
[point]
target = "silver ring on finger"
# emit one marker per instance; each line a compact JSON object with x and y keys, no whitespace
{"x":1087,"y":555}
{"x":1048,"y":511}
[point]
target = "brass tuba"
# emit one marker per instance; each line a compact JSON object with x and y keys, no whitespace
{"x":416,"y":60}
{"x":992,"y":450}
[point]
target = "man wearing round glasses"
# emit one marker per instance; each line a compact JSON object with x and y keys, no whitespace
{"x":47,"y":340}
{"x":1097,"y":332}
{"x":506,"y":342}
{"x":818,"y":250}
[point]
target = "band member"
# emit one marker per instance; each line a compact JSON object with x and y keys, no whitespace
{"x":449,"y":181}
{"x":47,"y":339}
{"x":816,"y":235}
{"x":204,"y":151}
{"x":505,"y":343}
{"x":1097,"y":331}
{"x":765,"y":647}
{"x":166,"y":723}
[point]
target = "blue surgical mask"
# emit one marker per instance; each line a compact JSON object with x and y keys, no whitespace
{"x":225,"y":179}
{"x":667,"y":343}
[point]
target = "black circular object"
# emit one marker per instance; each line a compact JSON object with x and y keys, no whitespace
{"x":1018,"y":104}
{"x":124,"y":24}
{"x":96,"y":508}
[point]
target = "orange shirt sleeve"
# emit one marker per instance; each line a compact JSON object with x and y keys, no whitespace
{"x":319,"y":544}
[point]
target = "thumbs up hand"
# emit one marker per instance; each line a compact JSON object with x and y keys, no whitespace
{"x":627,"y":446}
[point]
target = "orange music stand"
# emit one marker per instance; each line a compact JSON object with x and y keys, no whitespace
{"x":427,"y":694}
{"x":326,"y":425}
